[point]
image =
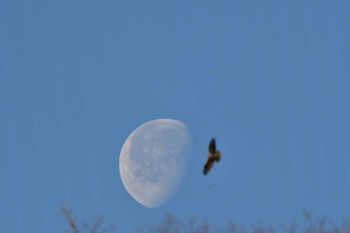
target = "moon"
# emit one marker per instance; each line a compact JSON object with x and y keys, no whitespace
{"x":153,"y":160}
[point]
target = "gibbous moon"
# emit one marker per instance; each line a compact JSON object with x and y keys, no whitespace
{"x":153,"y":159}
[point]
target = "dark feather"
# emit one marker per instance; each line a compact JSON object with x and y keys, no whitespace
{"x":208,"y":165}
{"x":212,"y":146}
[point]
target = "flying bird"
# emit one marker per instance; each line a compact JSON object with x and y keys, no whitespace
{"x":214,"y":156}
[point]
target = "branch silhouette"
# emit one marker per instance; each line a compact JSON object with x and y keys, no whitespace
{"x":75,"y":227}
{"x":171,"y":224}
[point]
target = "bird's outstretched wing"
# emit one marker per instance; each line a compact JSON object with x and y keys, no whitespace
{"x":208,"y":166}
{"x":212,"y":146}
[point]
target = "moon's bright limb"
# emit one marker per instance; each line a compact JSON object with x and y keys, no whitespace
{"x":153,"y":159}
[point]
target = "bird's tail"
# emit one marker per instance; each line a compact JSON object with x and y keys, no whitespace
{"x":217,"y":156}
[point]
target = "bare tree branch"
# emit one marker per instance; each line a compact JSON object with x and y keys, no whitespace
{"x":70,"y":218}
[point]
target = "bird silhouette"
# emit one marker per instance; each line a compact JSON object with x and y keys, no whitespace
{"x":214,"y":156}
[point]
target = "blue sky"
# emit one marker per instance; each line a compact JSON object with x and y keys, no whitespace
{"x":268,"y":79}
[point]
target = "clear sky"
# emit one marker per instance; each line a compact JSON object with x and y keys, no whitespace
{"x":269,"y":79}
